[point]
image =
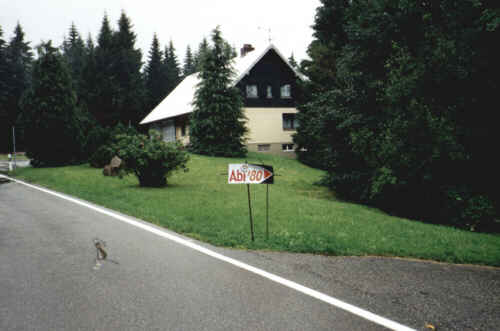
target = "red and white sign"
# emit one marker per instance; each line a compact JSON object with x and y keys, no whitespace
{"x":242,"y":173}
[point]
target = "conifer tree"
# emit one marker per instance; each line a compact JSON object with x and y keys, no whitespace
{"x":105,"y":89}
{"x":189,"y":65}
{"x":203,"y":48}
{"x":74,"y":52}
{"x":155,"y":76}
{"x":130,"y":99}
{"x":3,"y":77}
{"x":172,"y":68}
{"x":19,"y":61}
{"x":54,"y":130}
{"x":89,"y":80}
{"x":217,"y":124}
{"x":4,"y":128}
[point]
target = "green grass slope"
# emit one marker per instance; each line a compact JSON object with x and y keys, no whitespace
{"x":303,"y":217}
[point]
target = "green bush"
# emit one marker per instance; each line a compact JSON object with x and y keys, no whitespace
{"x":474,"y":212}
{"x":102,"y":156}
{"x":150,"y":159}
{"x":101,"y":143}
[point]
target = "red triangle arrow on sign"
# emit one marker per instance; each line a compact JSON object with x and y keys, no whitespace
{"x":267,"y":174}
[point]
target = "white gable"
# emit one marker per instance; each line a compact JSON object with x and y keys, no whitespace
{"x":179,"y":101}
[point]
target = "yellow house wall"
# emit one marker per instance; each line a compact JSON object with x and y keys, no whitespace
{"x":265,"y":125}
{"x":178,"y":135}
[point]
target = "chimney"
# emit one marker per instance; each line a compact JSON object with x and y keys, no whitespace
{"x":247,"y":48}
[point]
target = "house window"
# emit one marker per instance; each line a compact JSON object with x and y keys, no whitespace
{"x":252,"y":91}
{"x":286,"y":91}
{"x":263,"y":148}
{"x":269,"y":92}
{"x":287,"y":147}
{"x":290,"y":122}
{"x":183,"y":130}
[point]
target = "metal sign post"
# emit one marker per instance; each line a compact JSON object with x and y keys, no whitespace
{"x":14,"y":142}
{"x":267,"y":211}
{"x":250,"y":213}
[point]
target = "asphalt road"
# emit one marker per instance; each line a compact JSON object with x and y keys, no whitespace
{"x":49,"y":280}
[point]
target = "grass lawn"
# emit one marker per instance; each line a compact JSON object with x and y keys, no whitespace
{"x":19,"y":157}
{"x":303,"y":217}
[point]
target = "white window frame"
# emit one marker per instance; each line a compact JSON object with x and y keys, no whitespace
{"x":264,"y":147}
{"x":252,"y":91}
{"x":294,"y":123}
{"x":269,"y":92}
{"x":286,"y":91}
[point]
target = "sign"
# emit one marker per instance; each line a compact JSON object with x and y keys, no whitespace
{"x":243,"y":173}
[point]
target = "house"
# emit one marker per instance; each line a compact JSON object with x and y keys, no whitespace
{"x":268,"y":84}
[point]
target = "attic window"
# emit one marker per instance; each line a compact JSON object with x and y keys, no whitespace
{"x":269,"y":92}
{"x":286,"y":91}
{"x":252,"y":91}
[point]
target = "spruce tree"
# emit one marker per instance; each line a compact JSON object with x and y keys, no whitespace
{"x":217,"y":124}
{"x":155,"y":75}
{"x":4,"y":126}
{"x":172,"y":68}
{"x":203,"y":48}
{"x":130,"y":99}
{"x":89,"y":82}
{"x":3,"y":78}
{"x":189,"y":65}
{"x":103,"y":104}
{"x":74,"y":52}
{"x":54,"y":130}
{"x":19,"y":62}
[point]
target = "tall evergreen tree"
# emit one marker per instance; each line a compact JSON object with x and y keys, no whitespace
{"x":229,"y":50}
{"x":89,"y":82}
{"x":4,"y":125}
{"x":130,"y":99}
{"x":155,"y":76}
{"x":103,"y":104}
{"x":19,"y":62}
{"x":75,"y":54}
{"x":203,"y":49}
{"x":217,"y":125}
{"x":189,"y":65}
{"x":172,"y":68}
{"x":53,"y":126}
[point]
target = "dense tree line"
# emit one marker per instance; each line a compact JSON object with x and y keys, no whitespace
{"x":402,"y":113}
{"x":110,"y":82}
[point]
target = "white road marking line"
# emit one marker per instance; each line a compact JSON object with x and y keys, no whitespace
{"x":288,"y":283}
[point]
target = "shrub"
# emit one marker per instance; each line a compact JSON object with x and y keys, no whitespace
{"x":474,"y":212}
{"x":150,"y":159}
{"x":102,"y":143}
{"x":102,"y":156}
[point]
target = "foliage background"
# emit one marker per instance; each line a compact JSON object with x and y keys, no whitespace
{"x":403,"y":110}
